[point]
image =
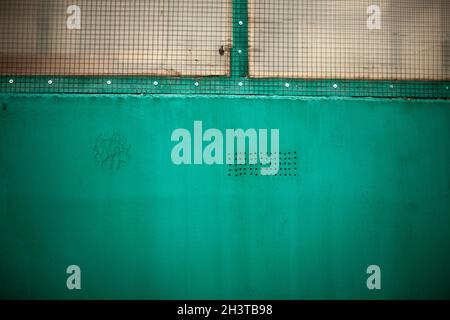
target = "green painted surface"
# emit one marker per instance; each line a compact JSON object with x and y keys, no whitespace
{"x":372,"y":187}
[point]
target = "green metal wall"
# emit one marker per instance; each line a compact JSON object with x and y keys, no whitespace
{"x":372,"y":187}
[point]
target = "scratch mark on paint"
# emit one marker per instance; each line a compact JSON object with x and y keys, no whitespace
{"x":112,"y":152}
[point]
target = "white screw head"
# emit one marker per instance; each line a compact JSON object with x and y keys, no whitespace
{"x":287,"y":85}
{"x":11,"y":81}
{"x":241,"y":23}
{"x":446,"y":88}
{"x":239,"y":51}
{"x":240,"y":84}
{"x":335,"y":85}
{"x":155,"y":83}
{"x":196,"y":84}
{"x":50,"y":82}
{"x":391,"y":86}
{"x":108,"y":82}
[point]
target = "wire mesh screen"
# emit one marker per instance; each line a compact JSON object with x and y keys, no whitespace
{"x":398,"y":48}
{"x":118,"y":37}
{"x":348,"y":39}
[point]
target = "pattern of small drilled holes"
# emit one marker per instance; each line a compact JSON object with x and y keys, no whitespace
{"x":287,"y":167}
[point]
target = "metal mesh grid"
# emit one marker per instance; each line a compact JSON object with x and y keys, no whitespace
{"x":377,"y":48}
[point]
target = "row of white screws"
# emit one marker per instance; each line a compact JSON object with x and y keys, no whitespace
{"x":240,"y":23}
{"x":240,"y":84}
